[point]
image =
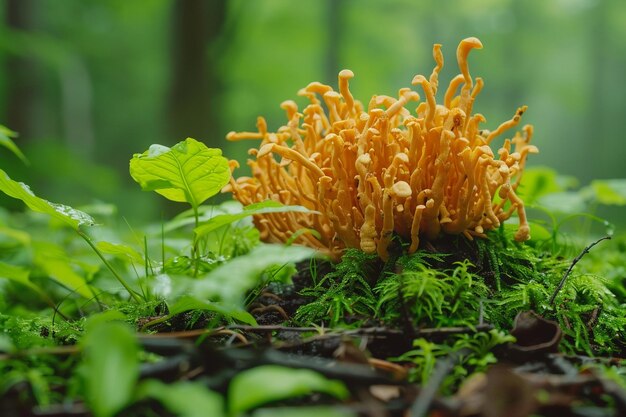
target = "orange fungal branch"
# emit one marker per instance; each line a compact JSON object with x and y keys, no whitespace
{"x":385,"y":170}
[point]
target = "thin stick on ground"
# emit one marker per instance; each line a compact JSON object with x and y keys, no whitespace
{"x":571,"y":267}
{"x":422,"y":403}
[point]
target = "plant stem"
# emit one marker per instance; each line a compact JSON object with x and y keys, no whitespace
{"x":569,"y":270}
{"x":147,"y":258}
{"x":443,"y":367}
{"x":162,"y":247}
{"x":195,"y":254}
{"x":109,"y":266}
{"x":158,"y":320}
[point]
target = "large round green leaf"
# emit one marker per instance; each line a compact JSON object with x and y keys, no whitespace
{"x":187,"y":172}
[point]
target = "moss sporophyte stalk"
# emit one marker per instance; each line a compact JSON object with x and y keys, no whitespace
{"x":383,"y":170}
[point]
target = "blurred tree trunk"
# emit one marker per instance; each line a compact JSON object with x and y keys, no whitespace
{"x":333,"y":18}
{"x":192,"y":108}
{"x":21,"y":74}
{"x":598,"y":123}
{"x":515,"y":95}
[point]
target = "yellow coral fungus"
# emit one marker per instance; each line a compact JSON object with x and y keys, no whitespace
{"x":383,"y":170}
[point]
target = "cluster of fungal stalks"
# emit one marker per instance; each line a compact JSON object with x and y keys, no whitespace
{"x":374,"y":172}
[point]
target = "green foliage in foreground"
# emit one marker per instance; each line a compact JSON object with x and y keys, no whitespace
{"x":432,"y":290}
{"x":72,"y":281}
{"x":67,"y":282}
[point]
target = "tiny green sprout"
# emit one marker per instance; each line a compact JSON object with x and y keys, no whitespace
{"x":187,"y":172}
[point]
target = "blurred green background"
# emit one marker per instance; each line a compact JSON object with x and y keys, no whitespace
{"x":89,"y":83}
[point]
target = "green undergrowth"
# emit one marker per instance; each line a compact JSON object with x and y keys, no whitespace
{"x":482,"y":281}
{"x":80,"y":288}
{"x":461,"y":283}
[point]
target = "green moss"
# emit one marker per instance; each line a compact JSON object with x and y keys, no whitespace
{"x":455,"y":282}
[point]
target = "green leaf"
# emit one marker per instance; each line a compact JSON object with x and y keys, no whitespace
{"x":187,"y":217}
{"x":188,"y":172}
{"x":264,"y":384}
{"x":300,"y":232}
{"x":121,"y":250}
{"x":68,"y":215}
{"x":610,"y":192}
{"x":6,"y":344}
{"x":268,"y":206}
{"x":5,"y":140}
{"x":567,"y":202}
{"x":19,"y":237}
{"x":110,"y":367}
{"x":184,"y":399}
{"x":540,"y":181}
{"x":230,"y":281}
{"x":187,"y":303}
{"x":52,"y":260}
{"x":107,"y":316}
{"x":19,"y":275}
{"x":205,"y":213}
{"x":538,"y":232}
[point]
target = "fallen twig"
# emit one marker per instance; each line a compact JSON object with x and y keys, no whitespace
{"x":422,"y":403}
{"x":569,"y":270}
{"x":322,"y":331}
{"x":382,"y":333}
